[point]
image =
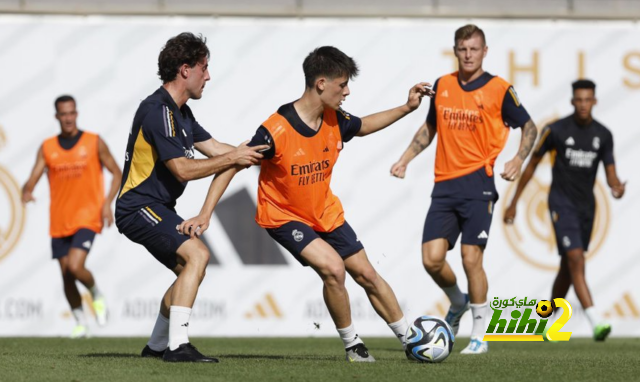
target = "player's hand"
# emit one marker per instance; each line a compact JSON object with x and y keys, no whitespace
{"x":246,"y":156}
{"x":399,"y":169}
{"x":194,"y":227}
{"x":27,"y":197}
{"x":417,"y":92}
{"x":512,"y":169}
{"x":618,"y":191}
{"x":107,"y":215}
{"x":510,"y":214}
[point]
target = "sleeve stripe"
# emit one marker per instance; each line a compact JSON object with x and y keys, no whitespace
{"x":169,"y":125}
{"x":514,"y":96}
{"x":166,"y":128}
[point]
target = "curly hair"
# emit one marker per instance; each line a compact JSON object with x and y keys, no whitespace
{"x":185,"y":48}
{"x":328,"y":61}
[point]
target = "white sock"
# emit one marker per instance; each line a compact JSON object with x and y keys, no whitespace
{"x":78,"y":314}
{"x":349,"y":336}
{"x":455,"y":296}
{"x":479,"y":312}
{"x":400,"y":328}
{"x":178,"y":326}
{"x":160,"y":335}
{"x":593,"y":316}
{"x":95,"y":292}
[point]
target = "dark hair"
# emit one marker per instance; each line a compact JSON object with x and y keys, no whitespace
{"x":328,"y":61}
{"x":466,"y":32}
{"x":63,"y":98}
{"x":584,"y":84}
{"x":185,"y":48}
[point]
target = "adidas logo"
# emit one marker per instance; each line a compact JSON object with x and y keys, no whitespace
{"x":444,"y":94}
{"x":299,"y":153}
{"x":483,"y":235}
{"x":570,"y":141}
{"x":87,"y":244}
{"x":624,"y":308}
{"x":477,"y":317}
{"x":186,"y":325}
{"x":326,"y":150}
{"x":266,"y":308}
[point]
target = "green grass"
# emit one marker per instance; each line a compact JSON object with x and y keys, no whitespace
{"x":314,"y":359}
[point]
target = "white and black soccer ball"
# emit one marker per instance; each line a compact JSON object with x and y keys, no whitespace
{"x":429,"y":339}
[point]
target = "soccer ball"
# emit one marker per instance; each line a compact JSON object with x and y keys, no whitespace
{"x":429,"y":339}
{"x":544,"y":308}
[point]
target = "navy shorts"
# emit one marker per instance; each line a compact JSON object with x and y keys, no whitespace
{"x":572,"y":227}
{"x":82,"y":239}
{"x":295,"y":236}
{"x":154,"y":227}
{"x":448,"y":217}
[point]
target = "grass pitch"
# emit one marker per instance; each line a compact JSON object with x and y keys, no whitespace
{"x":314,"y":359}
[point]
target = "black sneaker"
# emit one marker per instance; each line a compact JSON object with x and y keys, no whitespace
{"x":186,"y":353}
{"x":359,"y":353}
{"x":147,"y":352}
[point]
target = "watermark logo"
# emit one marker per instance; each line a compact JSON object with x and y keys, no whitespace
{"x":524,"y":324}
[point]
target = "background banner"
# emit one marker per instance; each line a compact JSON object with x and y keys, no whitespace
{"x":254,"y":287}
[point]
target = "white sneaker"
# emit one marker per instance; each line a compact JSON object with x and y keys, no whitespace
{"x":476,"y":346}
{"x":453,"y":318}
{"x":80,"y":331}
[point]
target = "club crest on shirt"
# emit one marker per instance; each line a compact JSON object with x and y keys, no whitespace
{"x":297,"y":235}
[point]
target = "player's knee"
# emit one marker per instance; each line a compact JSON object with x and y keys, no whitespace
{"x":367,"y":279}
{"x":472,"y":262}
{"x":334,"y":274}
{"x":75,"y":270}
{"x":199,"y":257}
{"x":432,"y":264}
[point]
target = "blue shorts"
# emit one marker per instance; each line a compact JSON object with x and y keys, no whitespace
{"x":154,"y":227}
{"x":83,"y":239}
{"x":448,"y":217}
{"x":572,"y":227}
{"x":295,"y":236}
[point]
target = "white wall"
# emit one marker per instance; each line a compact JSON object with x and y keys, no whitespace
{"x":110,"y":64}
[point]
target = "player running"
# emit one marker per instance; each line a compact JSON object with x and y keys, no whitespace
{"x":578,"y":144}
{"x":73,"y":160}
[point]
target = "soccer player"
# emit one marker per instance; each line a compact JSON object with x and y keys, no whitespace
{"x":295,"y":202}
{"x":472,"y":111}
{"x":159,"y":162}
{"x":578,"y":143}
{"x":73,"y":160}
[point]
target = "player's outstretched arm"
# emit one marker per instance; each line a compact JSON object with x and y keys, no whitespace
{"x":211,"y":147}
{"x":107,"y":161}
{"x":421,"y":140}
{"x":513,"y":167}
{"x":510,"y":212}
{"x":378,"y":121}
{"x":196,"y":226}
{"x":185,"y":169}
{"x":617,"y":187}
{"x":36,"y":174}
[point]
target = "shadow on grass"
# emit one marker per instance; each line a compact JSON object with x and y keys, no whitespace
{"x":225,"y":356}
{"x":277,"y":357}
{"x":109,"y":355}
